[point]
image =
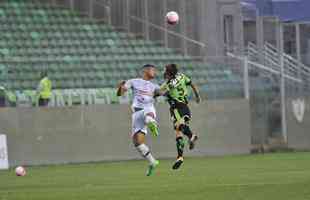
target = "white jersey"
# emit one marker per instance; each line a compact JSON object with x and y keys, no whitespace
{"x":143,"y":92}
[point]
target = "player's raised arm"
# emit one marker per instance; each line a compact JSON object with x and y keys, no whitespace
{"x":161,"y":91}
{"x":121,"y":88}
{"x":189,"y":82}
{"x":196,"y":92}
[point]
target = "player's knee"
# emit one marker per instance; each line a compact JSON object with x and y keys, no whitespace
{"x":178,"y":134}
{"x":149,"y":118}
{"x":187,"y":119}
{"x":150,"y":114}
{"x":181,"y":127}
{"x":138,"y":139}
{"x":185,"y":129}
{"x":136,"y":142}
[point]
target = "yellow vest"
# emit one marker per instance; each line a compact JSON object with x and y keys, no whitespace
{"x":45,"y":88}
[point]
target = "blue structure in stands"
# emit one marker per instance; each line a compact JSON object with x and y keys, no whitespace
{"x":286,"y":10}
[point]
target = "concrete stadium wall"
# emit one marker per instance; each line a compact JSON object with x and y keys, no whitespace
{"x":97,"y":133}
{"x":298,"y":131}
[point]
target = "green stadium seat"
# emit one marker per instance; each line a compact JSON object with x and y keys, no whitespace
{"x":79,"y":53}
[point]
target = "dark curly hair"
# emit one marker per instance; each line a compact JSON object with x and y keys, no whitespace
{"x":171,"y":70}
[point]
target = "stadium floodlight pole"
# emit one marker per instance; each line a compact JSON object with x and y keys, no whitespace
{"x":183,"y":25}
{"x":146,"y":26}
{"x":260,"y":35}
{"x":108,"y":8}
{"x":282,"y":82}
{"x":107,"y":18}
{"x":91,"y":8}
{"x":165,"y":24}
{"x":127,"y":10}
{"x":298,"y":52}
{"x":71,"y":4}
{"x":246,"y":79}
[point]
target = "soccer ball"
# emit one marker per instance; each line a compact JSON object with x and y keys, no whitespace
{"x":20,"y":171}
{"x":172,"y":18}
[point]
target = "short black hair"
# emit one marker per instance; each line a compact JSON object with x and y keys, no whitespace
{"x":44,"y":74}
{"x":171,"y":70}
{"x":148,"y":65}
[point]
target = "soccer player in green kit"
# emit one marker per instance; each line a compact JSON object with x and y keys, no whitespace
{"x":175,"y":89}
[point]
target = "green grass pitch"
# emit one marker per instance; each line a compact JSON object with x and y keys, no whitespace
{"x":254,"y":177}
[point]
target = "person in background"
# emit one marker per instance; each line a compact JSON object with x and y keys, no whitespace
{"x":44,"y":89}
{"x":2,"y":97}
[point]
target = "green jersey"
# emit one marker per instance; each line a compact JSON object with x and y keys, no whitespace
{"x":177,"y":88}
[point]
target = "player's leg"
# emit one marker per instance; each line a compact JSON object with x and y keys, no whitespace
{"x":41,"y":102}
{"x":185,"y":115}
{"x":180,"y":143}
{"x":139,"y":132}
{"x":151,"y":123}
{"x":192,"y":138}
{"x":144,"y":150}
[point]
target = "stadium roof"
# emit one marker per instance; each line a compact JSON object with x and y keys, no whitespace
{"x":286,"y":10}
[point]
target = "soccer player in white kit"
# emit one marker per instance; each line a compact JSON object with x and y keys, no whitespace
{"x":144,"y":113}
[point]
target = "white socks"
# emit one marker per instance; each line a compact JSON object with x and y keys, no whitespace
{"x":145,"y":152}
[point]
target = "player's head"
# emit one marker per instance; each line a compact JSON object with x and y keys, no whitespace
{"x":149,"y":71}
{"x":44,"y":74}
{"x":171,"y":71}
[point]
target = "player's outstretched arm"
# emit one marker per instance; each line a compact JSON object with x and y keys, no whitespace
{"x":121,"y":89}
{"x":161,"y":91}
{"x":196,"y":92}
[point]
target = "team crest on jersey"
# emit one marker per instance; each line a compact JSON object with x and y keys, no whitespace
{"x":299,"y":108}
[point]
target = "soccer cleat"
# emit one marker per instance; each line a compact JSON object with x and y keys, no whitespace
{"x":192,"y":142}
{"x":153,"y":128}
{"x":151,"y":169}
{"x":178,"y":163}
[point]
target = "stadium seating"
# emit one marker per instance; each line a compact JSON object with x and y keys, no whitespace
{"x":77,"y":52}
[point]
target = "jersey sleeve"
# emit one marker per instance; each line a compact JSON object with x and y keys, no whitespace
{"x":188,"y":81}
{"x":164,"y":86}
{"x":156,"y":87}
{"x":156,"y":90}
{"x":128,"y":84}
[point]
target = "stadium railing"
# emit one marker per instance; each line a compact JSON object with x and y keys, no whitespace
{"x":270,"y":55}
